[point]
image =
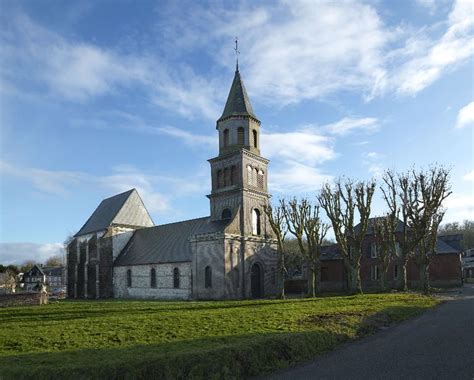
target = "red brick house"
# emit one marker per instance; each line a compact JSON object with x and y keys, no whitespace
{"x":445,"y":267}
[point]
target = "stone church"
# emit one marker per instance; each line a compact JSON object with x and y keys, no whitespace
{"x":231,"y":254}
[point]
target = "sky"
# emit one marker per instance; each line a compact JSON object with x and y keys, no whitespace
{"x":97,"y":97}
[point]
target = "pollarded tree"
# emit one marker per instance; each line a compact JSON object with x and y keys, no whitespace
{"x":428,"y":191}
{"x":340,"y":203}
{"x":276,"y":218}
{"x":384,"y":232}
{"x":304,"y":223}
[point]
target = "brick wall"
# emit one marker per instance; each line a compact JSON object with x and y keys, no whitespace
{"x":23,"y":299}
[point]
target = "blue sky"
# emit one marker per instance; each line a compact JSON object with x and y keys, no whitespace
{"x":100,"y":97}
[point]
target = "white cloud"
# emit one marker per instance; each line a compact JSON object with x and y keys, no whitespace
{"x":459,"y":207}
{"x":294,"y":177}
{"x":469,"y":176}
{"x":190,"y":138}
{"x":465,"y":116}
{"x":348,"y":125}
{"x":18,"y":253}
{"x":424,"y":59}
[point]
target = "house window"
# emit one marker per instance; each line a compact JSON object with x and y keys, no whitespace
{"x":255,"y":142}
{"x":226,"y":137}
{"x":256,"y":222}
{"x":395,"y":272}
{"x":240,"y":136}
{"x":176,"y":278}
{"x":153,"y":278}
{"x":208,"y":277}
{"x":129,"y":278}
{"x":226,"y":214}
{"x":373,"y":250}
{"x":397,"y":248}
{"x":374,"y":272}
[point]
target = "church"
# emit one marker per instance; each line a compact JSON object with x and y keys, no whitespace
{"x":231,"y":254}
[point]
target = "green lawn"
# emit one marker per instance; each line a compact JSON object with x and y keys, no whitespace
{"x":144,"y":339}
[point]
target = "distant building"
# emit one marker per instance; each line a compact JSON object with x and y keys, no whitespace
{"x":51,"y":277}
{"x":230,"y":254}
{"x":468,"y":265}
{"x":444,"y":269}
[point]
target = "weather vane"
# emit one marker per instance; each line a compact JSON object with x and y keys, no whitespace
{"x":237,"y":52}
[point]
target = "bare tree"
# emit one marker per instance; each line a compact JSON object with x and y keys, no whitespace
{"x":304,"y":223}
{"x":428,"y":191}
{"x":8,"y":281}
{"x":340,"y":204}
{"x":55,"y":261}
{"x":384,"y":232}
{"x":276,"y":218}
{"x":417,"y":196}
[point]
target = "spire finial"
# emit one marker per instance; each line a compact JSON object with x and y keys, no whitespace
{"x":237,"y":52}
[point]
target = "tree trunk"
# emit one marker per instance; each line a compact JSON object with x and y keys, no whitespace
{"x":424,"y":278}
{"x":402,"y":276}
{"x":354,"y":280}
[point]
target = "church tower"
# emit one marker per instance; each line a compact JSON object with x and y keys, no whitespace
{"x":239,"y":172}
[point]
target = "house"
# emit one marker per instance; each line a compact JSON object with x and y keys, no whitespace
{"x":38,"y":276}
{"x":444,"y":270}
{"x":230,"y":254}
{"x":467,"y":260}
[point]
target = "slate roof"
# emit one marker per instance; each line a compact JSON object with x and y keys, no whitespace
{"x":53,"y":271}
{"x":370,"y":228}
{"x":331,"y":252}
{"x":443,"y":248}
{"x":238,"y":103}
{"x":166,"y":243}
{"x":454,"y":240}
{"x":123,"y":209}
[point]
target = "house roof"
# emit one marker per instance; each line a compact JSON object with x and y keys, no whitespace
{"x":454,"y":240}
{"x":53,"y":271}
{"x":370,"y":227}
{"x":443,"y":248}
{"x":36,"y":269}
{"x":122,"y":209}
{"x":166,"y":243}
{"x":238,"y":103}
{"x":331,"y":252}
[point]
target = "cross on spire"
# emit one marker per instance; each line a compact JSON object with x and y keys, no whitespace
{"x":237,"y":52}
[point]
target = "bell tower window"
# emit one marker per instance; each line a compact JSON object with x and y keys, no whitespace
{"x":255,"y":142}
{"x":256,"y":228}
{"x":226,"y":137}
{"x":226,"y":214}
{"x":240,"y":136}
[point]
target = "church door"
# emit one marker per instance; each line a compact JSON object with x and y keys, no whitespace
{"x":256,"y":281}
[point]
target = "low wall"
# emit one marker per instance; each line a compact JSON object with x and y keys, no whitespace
{"x":23,"y":299}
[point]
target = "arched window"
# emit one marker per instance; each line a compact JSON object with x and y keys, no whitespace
{"x":226,"y":214}
{"x":260,"y":179}
{"x":256,"y":222}
{"x":255,"y":142}
{"x":233,"y":175}
{"x":176,"y":278}
{"x":249,"y":175}
{"x":208,"y":277}
{"x":220,"y":179}
{"x":254,"y":176}
{"x":129,"y":278}
{"x":226,"y":137}
{"x":240,"y":136}
{"x":226,"y":177}
{"x":153,"y":278}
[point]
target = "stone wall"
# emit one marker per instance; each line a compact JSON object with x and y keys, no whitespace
{"x":141,"y":281}
{"x":23,"y":299}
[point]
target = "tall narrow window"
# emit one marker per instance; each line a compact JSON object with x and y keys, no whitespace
{"x":240,"y":136}
{"x":249,"y":175}
{"x":226,"y":177}
{"x":176,"y":278}
{"x":233,"y":175}
{"x":373,"y":251}
{"x":220,"y":179}
{"x":153,"y":278}
{"x":395,"y":272}
{"x":226,"y":137}
{"x":255,"y":142}
{"x":129,"y":278}
{"x":208,"y":277}
{"x":254,"y":177}
{"x":256,"y":222}
{"x":260,"y":179}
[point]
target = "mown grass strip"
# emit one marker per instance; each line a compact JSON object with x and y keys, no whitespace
{"x":146,"y":339}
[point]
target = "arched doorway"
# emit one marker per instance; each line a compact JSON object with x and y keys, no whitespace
{"x":256,"y":281}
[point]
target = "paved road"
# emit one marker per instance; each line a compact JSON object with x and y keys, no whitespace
{"x":437,"y":345}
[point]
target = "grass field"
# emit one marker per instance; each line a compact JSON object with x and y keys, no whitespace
{"x":151,"y":339}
